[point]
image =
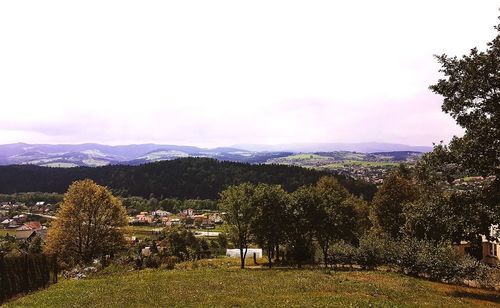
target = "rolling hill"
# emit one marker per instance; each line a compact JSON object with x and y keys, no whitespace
{"x":94,"y":155}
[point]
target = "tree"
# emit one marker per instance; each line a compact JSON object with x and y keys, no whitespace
{"x":268,"y":226}
{"x":362,"y":217}
{"x":332,"y":219}
{"x":237,"y":203}
{"x":447,"y":216}
{"x":387,"y":207}
{"x":89,"y":224}
{"x":180,"y":243}
{"x":471,"y":91}
{"x":299,"y":231}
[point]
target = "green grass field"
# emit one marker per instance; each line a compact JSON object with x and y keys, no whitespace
{"x":304,"y":157}
{"x":255,"y":287}
{"x":5,"y":232}
{"x":362,"y":163}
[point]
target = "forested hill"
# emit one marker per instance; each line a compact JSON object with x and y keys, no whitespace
{"x":182,"y":178}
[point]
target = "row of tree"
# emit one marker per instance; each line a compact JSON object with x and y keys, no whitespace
{"x":270,"y":217}
{"x":411,"y":204}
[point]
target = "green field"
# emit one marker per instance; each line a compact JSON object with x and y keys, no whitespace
{"x":5,"y":232}
{"x":348,"y":163}
{"x":255,"y":287}
{"x":299,"y":157}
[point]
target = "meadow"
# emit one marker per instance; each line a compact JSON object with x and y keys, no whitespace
{"x":231,"y":287}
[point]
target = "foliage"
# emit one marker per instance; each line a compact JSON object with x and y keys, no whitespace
{"x":31,"y":198}
{"x":375,"y":249}
{"x":332,"y":218}
{"x":237,"y":204}
{"x":447,"y":216}
{"x":342,"y":253}
{"x":387,"y":206}
{"x":186,"y":178}
{"x":299,"y":231}
{"x":269,"y":222}
{"x":471,"y":91}
{"x":25,"y":273}
{"x":89,"y":224}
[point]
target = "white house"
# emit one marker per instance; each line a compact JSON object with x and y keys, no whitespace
{"x":235,"y":253}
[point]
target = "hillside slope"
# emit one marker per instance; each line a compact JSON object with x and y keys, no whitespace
{"x":255,"y":287}
{"x":184,"y":178}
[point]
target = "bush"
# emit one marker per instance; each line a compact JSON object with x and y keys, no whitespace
{"x":342,"y":253}
{"x":375,"y":249}
{"x":170,"y":262}
{"x":152,"y":261}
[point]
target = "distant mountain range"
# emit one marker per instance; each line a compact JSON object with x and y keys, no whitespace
{"x":363,"y":147}
{"x":91,"y":154}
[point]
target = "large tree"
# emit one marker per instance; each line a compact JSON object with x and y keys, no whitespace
{"x":237,"y":204}
{"x":387,"y":206}
{"x":89,"y":224}
{"x":299,"y":231}
{"x":471,"y":92}
{"x":269,"y":223}
{"x":333,"y":218}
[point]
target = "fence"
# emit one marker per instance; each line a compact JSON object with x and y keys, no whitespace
{"x":26,"y":273}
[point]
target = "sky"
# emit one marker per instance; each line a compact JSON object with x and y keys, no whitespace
{"x":219,"y":73}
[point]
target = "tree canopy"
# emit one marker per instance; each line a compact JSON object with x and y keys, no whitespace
{"x":89,"y":224}
{"x":471,"y":92}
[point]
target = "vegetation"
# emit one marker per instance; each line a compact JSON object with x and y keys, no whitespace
{"x":269,"y":216}
{"x":185,"y":178}
{"x":387,"y":205}
{"x":266,"y":288}
{"x":88,"y":224}
{"x":237,"y":203}
{"x":25,"y":273}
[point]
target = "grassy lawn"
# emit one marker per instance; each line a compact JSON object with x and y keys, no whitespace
{"x":254,"y":287}
{"x":5,"y":232}
{"x":305,"y":157}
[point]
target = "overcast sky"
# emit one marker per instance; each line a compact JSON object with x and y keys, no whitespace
{"x":214,"y":73}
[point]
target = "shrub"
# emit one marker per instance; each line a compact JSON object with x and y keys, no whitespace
{"x":169,"y":262}
{"x":374,"y":250}
{"x":342,"y":253}
{"x":152,"y":261}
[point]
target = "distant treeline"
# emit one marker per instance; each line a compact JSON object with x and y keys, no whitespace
{"x":185,"y":178}
{"x":31,"y":198}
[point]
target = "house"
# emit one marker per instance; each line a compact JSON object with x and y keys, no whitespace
{"x":20,"y":218}
{"x":161,"y":213}
{"x":146,"y":251}
{"x":488,"y":252}
{"x":6,"y":222}
{"x":235,"y":253}
{"x":166,"y":221}
{"x":144,"y":218}
{"x":29,"y":230}
{"x":188,"y":212}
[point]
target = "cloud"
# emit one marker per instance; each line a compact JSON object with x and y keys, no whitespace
{"x":224,"y":72}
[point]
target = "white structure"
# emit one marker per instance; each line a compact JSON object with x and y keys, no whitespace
{"x":235,"y":253}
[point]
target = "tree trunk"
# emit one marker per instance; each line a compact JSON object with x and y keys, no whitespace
{"x":324,"y":248}
{"x":242,"y":258}
{"x":270,"y":255}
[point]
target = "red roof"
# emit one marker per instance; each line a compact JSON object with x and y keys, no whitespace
{"x":33,"y":225}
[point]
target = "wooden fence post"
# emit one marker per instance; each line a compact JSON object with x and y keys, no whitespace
{"x":54,"y":268}
{"x":3,"y":285}
{"x":25,"y":272}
